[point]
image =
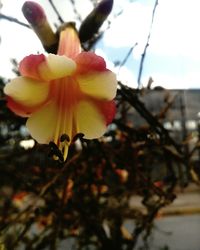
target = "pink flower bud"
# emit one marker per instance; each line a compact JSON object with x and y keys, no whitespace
{"x":33,"y":12}
{"x":35,"y":15}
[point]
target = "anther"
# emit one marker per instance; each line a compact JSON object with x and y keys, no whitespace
{"x":53,"y":146}
{"x":78,"y":136}
{"x":64,"y":137}
{"x":55,"y":152}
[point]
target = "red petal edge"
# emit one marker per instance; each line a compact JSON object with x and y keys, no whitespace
{"x":88,"y":61}
{"x":19,"y":109}
{"x":108,"y":109}
{"x":29,"y":66}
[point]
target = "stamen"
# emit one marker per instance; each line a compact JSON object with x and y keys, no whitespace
{"x":61,"y":96}
{"x":78,"y":136}
{"x":55,"y":152}
{"x":65,"y":141}
{"x":64,"y":137}
{"x":65,"y":153}
{"x":66,"y":126}
{"x":53,"y":146}
{"x":57,"y":130}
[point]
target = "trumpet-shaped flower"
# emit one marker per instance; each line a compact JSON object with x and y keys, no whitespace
{"x":64,"y":94}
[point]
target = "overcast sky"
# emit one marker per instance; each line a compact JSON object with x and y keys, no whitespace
{"x":173,"y":56}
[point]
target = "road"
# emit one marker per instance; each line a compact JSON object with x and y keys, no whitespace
{"x":177,"y":227}
{"x":176,"y":233}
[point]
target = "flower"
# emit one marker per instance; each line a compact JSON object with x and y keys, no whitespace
{"x":65,"y":94}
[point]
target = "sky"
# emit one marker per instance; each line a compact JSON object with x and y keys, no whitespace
{"x":173,"y":55}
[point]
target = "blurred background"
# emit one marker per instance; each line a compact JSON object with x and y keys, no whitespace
{"x":138,"y":186}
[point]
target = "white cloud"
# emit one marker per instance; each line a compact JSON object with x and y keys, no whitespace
{"x":176,"y":28}
{"x":129,"y":27}
{"x":16,"y":44}
{"x":192,"y":77}
{"x":179,"y":81}
{"x":127,"y":77}
{"x":167,"y":81}
{"x":175,"y":35}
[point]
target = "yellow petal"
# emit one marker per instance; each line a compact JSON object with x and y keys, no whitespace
{"x":89,"y":120}
{"x":55,"y":67}
{"x":101,"y":85}
{"x":42,"y":123}
{"x":26,"y":91}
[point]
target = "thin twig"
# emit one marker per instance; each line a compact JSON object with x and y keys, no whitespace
{"x":127,"y":56}
{"x":146,"y":46}
{"x":78,"y":16}
{"x":15,"y":20}
{"x":56,"y":11}
{"x":27,"y":226}
{"x":58,"y":219}
{"x":134,"y":101}
{"x":52,"y":181}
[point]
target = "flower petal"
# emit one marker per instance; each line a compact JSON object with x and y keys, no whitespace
{"x":42,"y":123}
{"x":56,"y":67}
{"x":88,"y":61}
{"x":19,"y":109}
{"x":29,"y":66}
{"x":69,"y":43}
{"x":27,"y":92}
{"x":108,"y":109}
{"x":102,"y":85}
{"x":89,"y":120}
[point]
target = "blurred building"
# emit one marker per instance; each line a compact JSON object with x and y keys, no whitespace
{"x":177,"y":110}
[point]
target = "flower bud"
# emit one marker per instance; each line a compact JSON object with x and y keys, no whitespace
{"x":35,"y":15}
{"x":94,"y":20}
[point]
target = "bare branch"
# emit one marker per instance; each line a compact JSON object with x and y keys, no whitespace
{"x":56,"y":177}
{"x":56,"y":11}
{"x":15,"y":20}
{"x":78,"y":16}
{"x":132,"y":98}
{"x":127,"y":56}
{"x":147,"y":45}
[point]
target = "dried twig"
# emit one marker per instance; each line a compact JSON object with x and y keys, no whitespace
{"x":78,"y":16}
{"x":146,"y":46}
{"x":56,"y":11}
{"x":132,"y":98}
{"x":127,"y":56}
{"x":15,"y":20}
{"x":56,"y":177}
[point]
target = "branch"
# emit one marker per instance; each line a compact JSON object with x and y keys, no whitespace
{"x":127,"y":56}
{"x":56,"y":11}
{"x":58,"y":219}
{"x":147,"y":45}
{"x":78,"y":16}
{"x":134,"y":101}
{"x":15,"y":20}
{"x":57,"y":176}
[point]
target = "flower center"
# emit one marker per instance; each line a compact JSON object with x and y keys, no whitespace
{"x":66,"y":94}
